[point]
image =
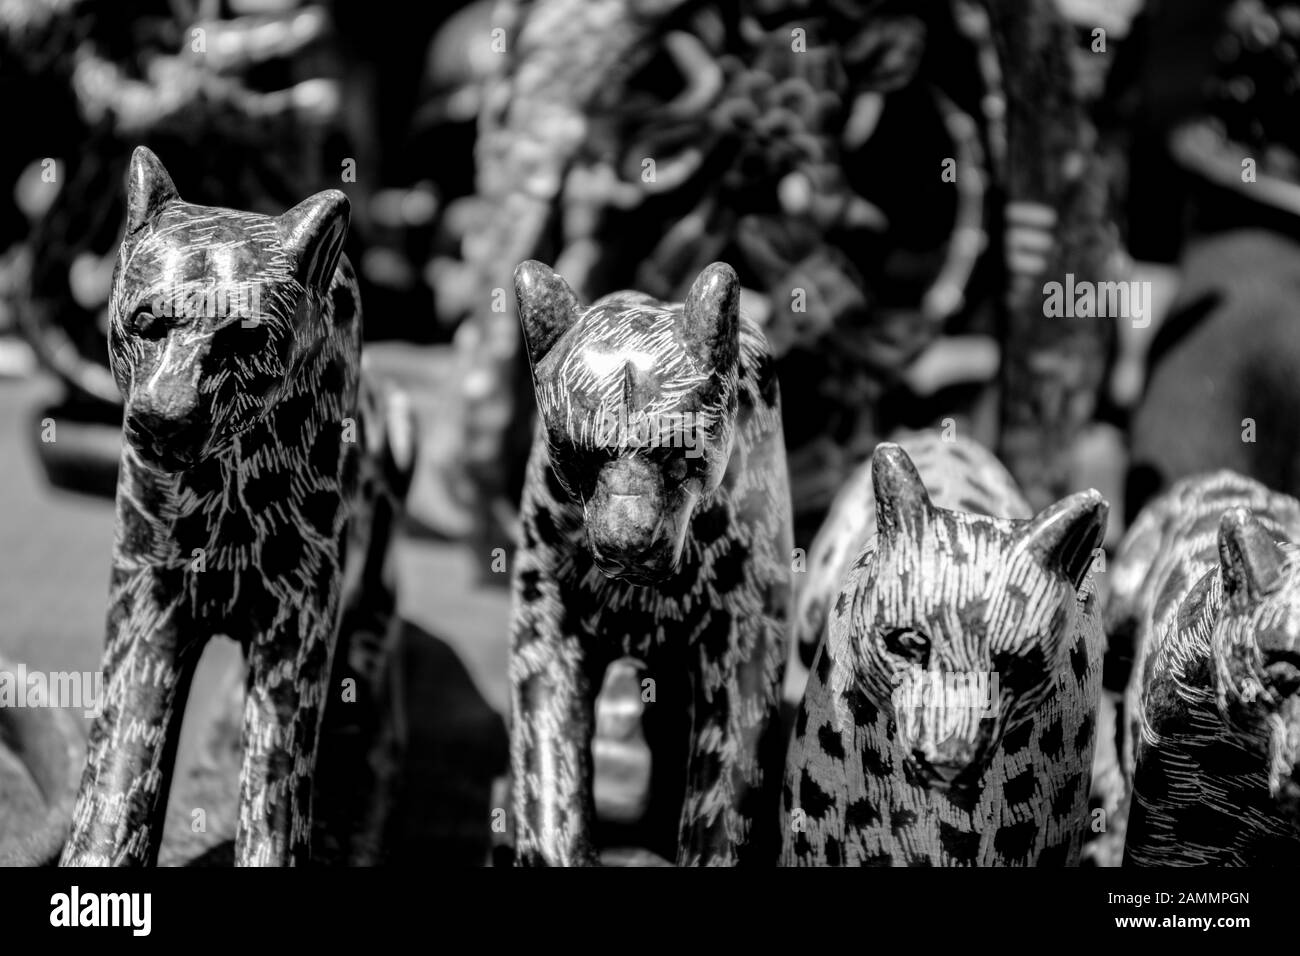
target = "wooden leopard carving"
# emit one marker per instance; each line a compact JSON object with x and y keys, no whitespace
{"x":959,"y":474}
{"x":1207,"y":587}
{"x":949,"y":718}
{"x":656,"y":524}
{"x":235,"y":339}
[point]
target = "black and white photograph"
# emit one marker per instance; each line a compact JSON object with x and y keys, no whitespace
{"x":460,"y":434}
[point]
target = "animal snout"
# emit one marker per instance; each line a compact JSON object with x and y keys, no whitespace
{"x":165,"y":438}
{"x":625,"y":525}
{"x":949,"y":758}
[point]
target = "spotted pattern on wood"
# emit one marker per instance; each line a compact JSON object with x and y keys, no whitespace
{"x":641,"y":549}
{"x":235,"y":340}
{"x":1207,"y":589}
{"x":897,"y":758}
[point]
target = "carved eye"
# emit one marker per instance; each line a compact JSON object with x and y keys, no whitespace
{"x":675,"y":469}
{"x":146,"y":325}
{"x":909,"y":644}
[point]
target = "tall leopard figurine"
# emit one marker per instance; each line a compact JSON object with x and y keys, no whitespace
{"x":656,"y":524}
{"x":949,"y":718}
{"x":1207,"y":590}
{"x":235,"y":339}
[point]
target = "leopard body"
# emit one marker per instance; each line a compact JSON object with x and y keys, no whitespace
{"x":232,"y":504}
{"x":629,"y":549}
{"x":880,"y":775}
{"x":1206,"y":591}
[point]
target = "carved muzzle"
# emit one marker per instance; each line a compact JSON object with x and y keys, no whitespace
{"x":168,"y":428}
{"x":947,"y":724}
{"x":635,"y":528}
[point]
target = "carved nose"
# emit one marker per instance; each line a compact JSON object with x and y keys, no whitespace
{"x":627,"y":524}
{"x":161,"y":428}
{"x":949,"y":758}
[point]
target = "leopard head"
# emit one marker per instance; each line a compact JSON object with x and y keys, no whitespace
{"x":962,"y":622}
{"x":213,"y":312}
{"x":637,"y":399}
{"x":1256,"y":645}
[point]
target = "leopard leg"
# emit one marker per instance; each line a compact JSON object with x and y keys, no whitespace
{"x":553,"y":696}
{"x":288,"y":669}
{"x":148,"y":668}
{"x":730,"y":813}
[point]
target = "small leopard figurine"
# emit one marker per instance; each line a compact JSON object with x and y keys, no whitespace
{"x":1207,"y":590}
{"x":235,"y":339}
{"x":949,"y":718}
{"x":656,"y":524}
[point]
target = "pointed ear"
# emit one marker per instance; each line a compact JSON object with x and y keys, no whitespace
{"x":313,"y":233}
{"x":1065,"y":534}
{"x":1250,"y":561}
{"x":712,"y":314}
{"x":901,"y":498}
{"x":148,"y":189}
{"x":547,"y":307}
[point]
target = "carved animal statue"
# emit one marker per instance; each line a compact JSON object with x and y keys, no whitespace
{"x":949,"y":719}
{"x":235,"y":339}
{"x":656,"y":524}
{"x":1207,"y":588}
{"x":959,"y":474}
{"x":363,"y":735}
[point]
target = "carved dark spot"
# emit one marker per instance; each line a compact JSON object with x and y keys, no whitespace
{"x":801,"y":721}
{"x":823,"y":665}
{"x":1013,"y":841}
{"x":831,"y":743}
{"x":814,"y":800}
{"x":860,"y":815}
{"x":332,"y":378}
{"x":1057,"y":855}
{"x":320,"y":508}
{"x":1020,"y":788}
{"x":267,"y":487}
{"x":282,"y":553}
{"x":1084,"y":737}
{"x":900,"y":818}
{"x":1017,"y":739}
{"x":841,"y":604}
{"x":1079,"y":659}
{"x":729,"y":568}
{"x":876,"y":763}
{"x":545,"y":525}
{"x":961,"y":846}
{"x":710,"y":525}
{"x":327,"y":447}
{"x":715,"y":639}
{"x":528,"y":585}
{"x":237,"y":529}
{"x":832,"y":847}
{"x":290,"y":417}
{"x":1053,"y":739}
